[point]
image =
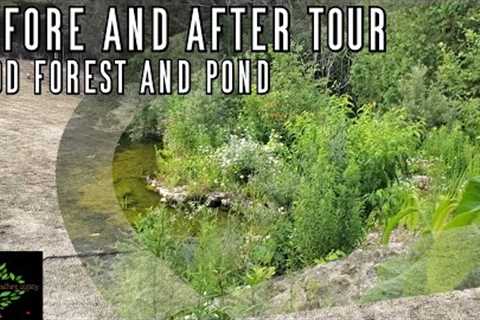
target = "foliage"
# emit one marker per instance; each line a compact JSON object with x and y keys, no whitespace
{"x":258,"y":275}
{"x":448,"y":213}
{"x":216,"y":263}
{"x":425,"y":102}
{"x":263,"y":114}
{"x":199,"y":171}
{"x":242,"y":158}
{"x":327,"y":213}
{"x":313,"y":170}
{"x":210,"y":261}
{"x":452,"y":158}
{"x":468,"y":209}
{"x":198,"y":121}
{"x":206,"y":311}
{"x":143,"y":286}
{"x":148,"y":124}
{"x":381,"y":145}
{"x":332,"y":256}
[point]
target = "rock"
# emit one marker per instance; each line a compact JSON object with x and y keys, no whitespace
{"x":337,"y":283}
{"x":180,"y":196}
{"x":174,"y":197}
{"x":422,"y":182}
{"x":462,"y":305}
{"x":218,"y":200}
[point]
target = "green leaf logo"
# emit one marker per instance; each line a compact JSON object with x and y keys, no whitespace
{"x":7,"y":298}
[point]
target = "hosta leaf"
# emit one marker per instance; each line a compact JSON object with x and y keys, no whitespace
{"x":471,"y":197}
{"x":464,"y":219}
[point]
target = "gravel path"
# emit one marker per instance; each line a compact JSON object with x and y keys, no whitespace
{"x":30,"y":131}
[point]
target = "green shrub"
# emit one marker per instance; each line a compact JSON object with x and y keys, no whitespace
{"x":453,"y":158}
{"x":277,"y":184}
{"x":389,"y":201}
{"x":199,"y":172}
{"x":375,"y":78}
{"x":198,"y":121}
{"x":242,"y":158}
{"x":424,"y":102}
{"x":469,"y":118}
{"x":327,"y":212}
{"x":380,"y":145}
{"x":458,"y":74}
{"x":149,"y":124}
{"x":288,"y":98}
{"x":205,"y":253}
{"x":162,"y":234}
{"x":216,"y":264}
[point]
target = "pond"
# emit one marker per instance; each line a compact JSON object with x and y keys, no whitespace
{"x":131,"y":164}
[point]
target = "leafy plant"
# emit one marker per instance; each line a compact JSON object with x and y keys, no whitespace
{"x":243,"y":158}
{"x":332,"y":256}
{"x":327,"y":212}
{"x":448,"y":214}
{"x":468,"y":210}
{"x":206,"y":311}
{"x":257,"y":275}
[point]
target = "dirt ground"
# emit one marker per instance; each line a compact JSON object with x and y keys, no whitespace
{"x":31,"y":128}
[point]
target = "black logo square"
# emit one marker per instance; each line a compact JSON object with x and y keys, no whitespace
{"x":21,"y":285}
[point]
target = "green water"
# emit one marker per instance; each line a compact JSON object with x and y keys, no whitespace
{"x":131,"y":164}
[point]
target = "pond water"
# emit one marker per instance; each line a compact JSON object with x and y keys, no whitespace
{"x":131,"y":164}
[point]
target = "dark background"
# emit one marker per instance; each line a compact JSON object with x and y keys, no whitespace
{"x":28,"y":265}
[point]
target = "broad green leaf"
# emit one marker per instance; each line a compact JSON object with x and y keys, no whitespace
{"x":5,"y":294}
{"x":471,"y":197}
{"x":464,"y":219}
{"x":442,"y":214}
{"x":394,"y":221}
